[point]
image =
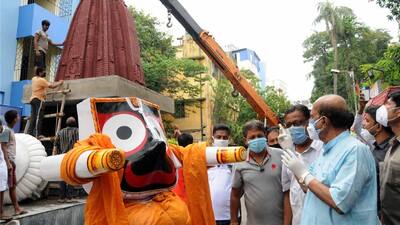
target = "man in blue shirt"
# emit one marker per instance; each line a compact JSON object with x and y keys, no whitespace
{"x":341,"y":184}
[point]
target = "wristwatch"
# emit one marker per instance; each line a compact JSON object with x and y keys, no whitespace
{"x":306,"y":178}
{"x":303,"y":177}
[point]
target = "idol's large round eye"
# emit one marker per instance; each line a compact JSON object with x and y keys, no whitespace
{"x":127,"y":132}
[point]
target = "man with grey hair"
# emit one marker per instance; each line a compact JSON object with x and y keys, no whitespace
{"x":341,"y":183}
{"x":65,"y":140}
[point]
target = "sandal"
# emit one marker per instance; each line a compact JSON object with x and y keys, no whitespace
{"x":6,"y":218}
{"x":21,"y":213}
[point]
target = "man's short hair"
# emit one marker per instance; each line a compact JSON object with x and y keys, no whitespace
{"x":301,"y":108}
{"x":253,"y":125}
{"x":395,"y":97}
{"x":10,"y":116}
{"x":221,"y":127}
{"x":45,"y":22}
{"x":340,"y":118}
{"x":39,"y":70}
{"x":371,"y":110}
{"x":272,"y":129}
{"x":185,"y":139}
{"x":71,"y":122}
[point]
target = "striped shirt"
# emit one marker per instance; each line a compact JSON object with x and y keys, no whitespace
{"x":66,"y":138}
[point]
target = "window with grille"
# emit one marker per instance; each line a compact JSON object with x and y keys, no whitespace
{"x":179,"y":109}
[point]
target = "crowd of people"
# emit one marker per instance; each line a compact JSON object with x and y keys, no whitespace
{"x":339,"y":169}
{"x":323,"y":166}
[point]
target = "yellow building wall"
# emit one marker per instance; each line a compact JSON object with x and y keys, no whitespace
{"x":191,"y":123}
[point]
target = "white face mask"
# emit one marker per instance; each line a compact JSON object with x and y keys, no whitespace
{"x":367,"y":136}
{"x":382,"y":116}
{"x":312,"y":131}
{"x":221,"y":143}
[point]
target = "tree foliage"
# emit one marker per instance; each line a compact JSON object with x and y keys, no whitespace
{"x":235,"y":111}
{"x":164,"y":73}
{"x":357,"y":44}
{"x":393,"y":6}
{"x":387,"y":69}
{"x":334,"y":18}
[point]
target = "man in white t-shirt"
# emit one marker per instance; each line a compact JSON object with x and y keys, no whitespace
{"x":41,"y":44}
{"x":4,"y":165}
{"x":7,"y":139}
{"x":220,"y":179}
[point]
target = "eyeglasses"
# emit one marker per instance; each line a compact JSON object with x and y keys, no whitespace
{"x":296,"y":123}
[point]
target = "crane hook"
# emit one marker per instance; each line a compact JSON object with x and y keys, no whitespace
{"x":169,"y":24}
{"x":235,"y":93}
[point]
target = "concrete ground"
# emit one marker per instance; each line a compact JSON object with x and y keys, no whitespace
{"x":39,"y":208}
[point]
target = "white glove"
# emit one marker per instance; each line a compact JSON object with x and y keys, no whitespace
{"x":297,"y":166}
{"x":285,"y":139}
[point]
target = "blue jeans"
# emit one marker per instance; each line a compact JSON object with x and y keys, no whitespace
{"x":223,"y":222}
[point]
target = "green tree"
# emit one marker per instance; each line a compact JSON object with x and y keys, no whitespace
{"x":394,"y":7}
{"x":163,"y":72}
{"x":235,"y":111}
{"x":357,"y":44}
{"x":387,"y":69}
{"x":333,"y":18}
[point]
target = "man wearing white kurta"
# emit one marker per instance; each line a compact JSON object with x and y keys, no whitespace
{"x":220,"y":179}
{"x":296,"y":118}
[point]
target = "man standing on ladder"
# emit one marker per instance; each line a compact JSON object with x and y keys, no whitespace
{"x":39,"y":88}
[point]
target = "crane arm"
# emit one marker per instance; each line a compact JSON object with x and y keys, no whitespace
{"x":208,"y":44}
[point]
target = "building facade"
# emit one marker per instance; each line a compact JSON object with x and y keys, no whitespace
{"x":19,"y":20}
{"x":279,"y":85}
{"x":194,"y":115}
{"x":247,"y":59}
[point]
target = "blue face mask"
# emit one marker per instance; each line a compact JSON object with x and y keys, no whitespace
{"x":257,"y":145}
{"x":298,"y":134}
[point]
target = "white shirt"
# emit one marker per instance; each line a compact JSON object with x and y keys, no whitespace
{"x":43,"y":40}
{"x":289,"y":181}
{"x":220,"y":182}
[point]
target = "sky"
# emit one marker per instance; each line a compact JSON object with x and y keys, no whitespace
{"x":274,"y":29}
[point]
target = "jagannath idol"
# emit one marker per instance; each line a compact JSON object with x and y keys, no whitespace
{"x":124,"y":162}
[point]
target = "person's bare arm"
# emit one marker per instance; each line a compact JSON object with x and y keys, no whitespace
{"x":287,"y":210}
{"x":35,"y":44}
{"x":56,"y":44}
{"x":56,"y":84}
{"x":5,"y":154}
{"x":322,"y":192}
{"x":235,"y":204}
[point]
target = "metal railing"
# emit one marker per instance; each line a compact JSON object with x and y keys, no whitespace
{"x":59,"y":7}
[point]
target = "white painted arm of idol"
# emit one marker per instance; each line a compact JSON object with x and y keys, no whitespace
{"x":50,"y":167}
{"x":225,"y":155}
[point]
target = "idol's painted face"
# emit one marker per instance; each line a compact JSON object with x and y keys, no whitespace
{"x":134,"y":126}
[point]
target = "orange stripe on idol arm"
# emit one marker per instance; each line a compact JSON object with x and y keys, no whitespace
{"x":225,"y":155}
